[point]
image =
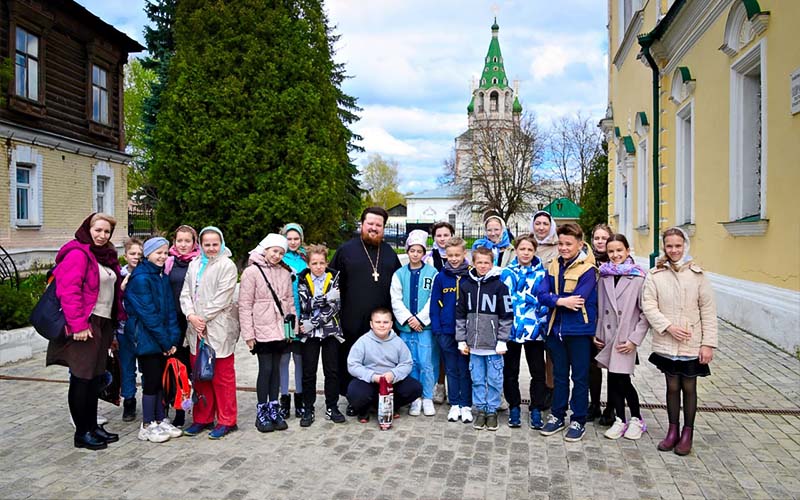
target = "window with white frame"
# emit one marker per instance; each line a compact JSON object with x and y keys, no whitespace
{"x":26,"y":65}
{"x":451,"y":218}
{"x":26,"y":187}
{"x":99,"y":94}
{"x":103,"y":188}
{"x":748,"y":134}
{"x":684,"y":165}
{"x":641,"y":184}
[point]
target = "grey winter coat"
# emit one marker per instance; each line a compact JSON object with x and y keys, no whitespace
{"x":484,"y":314}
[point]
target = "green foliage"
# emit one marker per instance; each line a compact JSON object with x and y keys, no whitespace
{"x":6,"y":74}
{"x":16,"y":305}
{"x":138,"y":82}
{"x":252,"y":130}
{"x":380,"y":182}
{"x":595,"y":196}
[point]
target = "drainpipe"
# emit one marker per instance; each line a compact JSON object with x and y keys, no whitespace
{"x":646,"y":42}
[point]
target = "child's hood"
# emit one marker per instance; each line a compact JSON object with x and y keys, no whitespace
{"x":461,"y":270}
{"x":493,"y":274}
{"x":375,"y":338}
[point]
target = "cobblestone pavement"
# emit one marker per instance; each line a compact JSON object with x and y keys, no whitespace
{"x":736,"y":455}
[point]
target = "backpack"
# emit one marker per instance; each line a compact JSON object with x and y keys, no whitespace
{"x":175,"y":383}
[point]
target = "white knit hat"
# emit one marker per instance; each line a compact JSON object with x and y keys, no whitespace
{"x":272,"y":240}
{"x":417,"y":237}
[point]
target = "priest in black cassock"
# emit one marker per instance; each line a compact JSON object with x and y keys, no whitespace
{"x":366,"y":265}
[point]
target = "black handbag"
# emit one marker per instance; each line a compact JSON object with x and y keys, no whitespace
{"x":47,"y":316}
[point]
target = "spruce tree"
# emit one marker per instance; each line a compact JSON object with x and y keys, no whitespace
{"x":595,"y":197}
{"x":252,"y":128}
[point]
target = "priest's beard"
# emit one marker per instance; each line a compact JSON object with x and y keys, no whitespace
{"x":371,"y":238}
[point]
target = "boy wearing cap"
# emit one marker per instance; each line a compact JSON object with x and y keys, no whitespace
{"x":266,"y":301}
{"x":411,"y":292}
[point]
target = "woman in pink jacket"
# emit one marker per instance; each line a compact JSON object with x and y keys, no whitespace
{"x":87,"y":279}
{"x":266,"y":303}
{"x":621,"y":328}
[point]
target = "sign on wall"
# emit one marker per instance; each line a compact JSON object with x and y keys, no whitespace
{"x":795,"y":89}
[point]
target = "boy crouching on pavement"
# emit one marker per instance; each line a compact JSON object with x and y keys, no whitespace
{"x":377,"y":354}
{"x":483,"y":322}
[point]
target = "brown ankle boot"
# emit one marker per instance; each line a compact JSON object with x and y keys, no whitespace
{"x":669,"y":442}
{"x":684,"y":446}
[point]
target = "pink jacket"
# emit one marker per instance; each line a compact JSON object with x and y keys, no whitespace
{"x":78,"y":285}
{"x":619,"y":319}
{"x":259,"y":318}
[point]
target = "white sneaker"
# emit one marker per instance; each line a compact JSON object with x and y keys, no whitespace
{"x":466,"y":414}
{"x":416,"y":408}
{"x":170,"y":429}
{"x":454,"y":414}
{"x":617,"y":429}
{"x":635,"y":428}
{"x":439,"y":394}
{"x":152,"y":433}
{"x":428,"y":408}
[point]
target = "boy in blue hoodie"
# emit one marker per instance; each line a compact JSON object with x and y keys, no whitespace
{"x":444,"y":295}
{"x":570,"y":292}
{"x":411,"y":294}
{"x":484,"y":316}
{"x":378,"y":354}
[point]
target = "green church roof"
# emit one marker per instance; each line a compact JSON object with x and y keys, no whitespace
{"x":471,"y":105}
{"x":563,"y":208}
{"x":517,"y":106}
{"x":494,"y":74}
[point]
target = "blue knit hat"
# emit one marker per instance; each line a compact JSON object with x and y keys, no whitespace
{"x":154,"y":244}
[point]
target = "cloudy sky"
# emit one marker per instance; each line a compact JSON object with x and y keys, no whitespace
{"x":412,"y":63}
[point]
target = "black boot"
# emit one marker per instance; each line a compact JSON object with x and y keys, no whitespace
{"x":594,"y":412}
{"x":102,"y":434}
{"x":286,"y":406}
{"x":180,"y":418}
{"x":129,"y":410}
{"x":298,"y":405}
{"x":607,"y":419}
{"x":89,"y":441}
{"x":278,"y":422}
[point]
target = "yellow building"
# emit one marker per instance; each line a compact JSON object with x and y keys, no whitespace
{"x":709,"y":92}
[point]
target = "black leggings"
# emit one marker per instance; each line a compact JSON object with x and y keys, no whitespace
{"x":82,"y":397}
{"x":675,"y":385}
{"x":152,"y":368}
{"x":534,"y":356}
{"x":620,"y":390}
{"x":268,"y":382}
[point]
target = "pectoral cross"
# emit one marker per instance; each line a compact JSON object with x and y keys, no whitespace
{"x":375,"y":275}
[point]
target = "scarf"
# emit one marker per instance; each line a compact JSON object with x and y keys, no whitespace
{"x":203,"y":257}
{"x":106,"y":254}
{"x":627,"y":268}
{"x":551,"y":237}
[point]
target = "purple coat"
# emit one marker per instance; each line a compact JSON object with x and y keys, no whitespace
{"x":78,"y":285}
{"x":619,"y":319}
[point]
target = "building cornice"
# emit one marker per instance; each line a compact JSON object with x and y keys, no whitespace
{"x":691,"y":23}
{"x":59,"y":142}
{"x":629,"y":39}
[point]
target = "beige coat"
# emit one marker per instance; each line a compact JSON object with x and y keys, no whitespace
{"x":619,"y":319}
{"x":213,"y":299}
{"x":683,"y":298}
{"x":547,"y":251}
{"x":258,"y":314}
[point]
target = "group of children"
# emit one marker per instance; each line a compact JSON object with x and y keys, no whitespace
{"x":473,"y":316}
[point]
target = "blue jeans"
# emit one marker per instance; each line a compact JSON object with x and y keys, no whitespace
{"x":425,"y":353}
{"x":570,"y":353}
{"x":487,"y":381}
{"x":456,"y":368}
{"x":127,"y":366}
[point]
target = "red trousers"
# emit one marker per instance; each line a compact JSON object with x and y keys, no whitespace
{"x":218,"y":396}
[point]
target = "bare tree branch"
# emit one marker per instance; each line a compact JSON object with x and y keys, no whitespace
{"x":574,"y":142}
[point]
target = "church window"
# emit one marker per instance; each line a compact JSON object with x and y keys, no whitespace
{"x":496,"y":68}
{"x":480,"y":102}
{"x":493,"y":98}
{"x":494,"y":81}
